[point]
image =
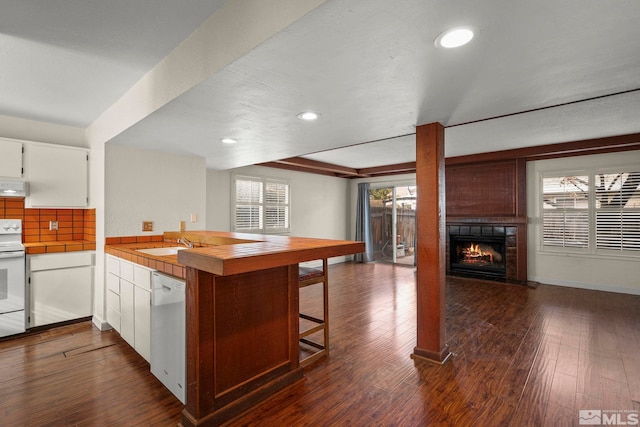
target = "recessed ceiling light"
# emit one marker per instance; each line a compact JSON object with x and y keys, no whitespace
{"x":229,"y":140}
{"x":308,"y":115}
{"x":454,"y":37}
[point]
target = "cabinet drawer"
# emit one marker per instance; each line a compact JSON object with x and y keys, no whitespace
{"x":113,"y":301}
{"x":61,"y":260}
{"x":113,"y":283}
{"x":113,"y":265}
{"x":126,"y":270}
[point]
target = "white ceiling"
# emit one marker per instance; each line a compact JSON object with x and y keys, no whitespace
{"x":369,"y":67}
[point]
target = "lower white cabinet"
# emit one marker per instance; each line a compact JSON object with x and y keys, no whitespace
{"x":129,"y":302}
{"x":60,"y":287}
{"x":142,"y":321}
{"x":127,"y":315}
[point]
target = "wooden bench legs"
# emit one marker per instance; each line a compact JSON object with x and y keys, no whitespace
{"x":312,"y":347}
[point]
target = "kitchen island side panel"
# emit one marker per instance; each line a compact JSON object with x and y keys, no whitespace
{"x":242,"y":340}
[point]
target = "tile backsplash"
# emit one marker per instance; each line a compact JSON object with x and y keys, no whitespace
{"x":73,"y":224}
{"x":11,"y":208}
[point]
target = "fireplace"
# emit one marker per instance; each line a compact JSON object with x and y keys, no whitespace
{"x":478,"y":256}
{"x":505,"y":236}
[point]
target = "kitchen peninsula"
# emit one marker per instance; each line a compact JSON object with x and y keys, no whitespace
{"x":242,"y":316}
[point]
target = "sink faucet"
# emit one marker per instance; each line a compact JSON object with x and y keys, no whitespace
{"x":186,"y":242}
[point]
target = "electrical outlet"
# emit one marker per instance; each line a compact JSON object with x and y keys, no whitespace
{"x":194,"y":218}
{"x":53,"y":225}
{"x":147,"y":225}
{"x":181,"y":225}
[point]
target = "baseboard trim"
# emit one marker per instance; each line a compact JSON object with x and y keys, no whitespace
{"x":101,"y":324}
{"x":589,"y":286}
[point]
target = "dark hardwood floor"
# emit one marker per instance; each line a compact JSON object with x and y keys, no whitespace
{"x":521,"y":357}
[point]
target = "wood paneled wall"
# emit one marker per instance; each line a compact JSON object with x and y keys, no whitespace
{"x":490,"y":189}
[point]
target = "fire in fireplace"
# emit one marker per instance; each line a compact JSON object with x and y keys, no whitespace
{"x":479,"y":256}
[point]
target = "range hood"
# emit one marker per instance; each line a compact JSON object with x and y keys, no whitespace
{"x":13,"y":188}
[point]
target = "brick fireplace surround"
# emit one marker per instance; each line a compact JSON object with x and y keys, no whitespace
{"x":511,"y":228}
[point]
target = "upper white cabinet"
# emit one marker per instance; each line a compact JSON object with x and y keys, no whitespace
{"x":10,"y":158}
{"x":57,"y":176}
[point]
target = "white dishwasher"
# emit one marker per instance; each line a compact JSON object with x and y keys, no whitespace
{"x":168,"y":332}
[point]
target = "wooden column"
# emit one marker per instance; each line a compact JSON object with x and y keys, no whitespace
{"x":431,"y":244}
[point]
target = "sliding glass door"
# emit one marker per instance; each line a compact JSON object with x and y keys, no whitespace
{"x":393,"y":223}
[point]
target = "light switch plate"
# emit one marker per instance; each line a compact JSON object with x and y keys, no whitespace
{"x":194,"y":217}
{"x":53,"y":225}
{"x":147,"y":225}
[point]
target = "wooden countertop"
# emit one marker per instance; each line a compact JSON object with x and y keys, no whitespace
{"x":226,"y":253}
{"x":234,"y":253}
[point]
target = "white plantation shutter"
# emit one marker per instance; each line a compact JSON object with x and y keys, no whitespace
{"x":277,"y":205}
{"x":565,"y":211}
{"x":248,"y":191}
{"x":618,"y":211}
{"x":261,"y":205}
{"x":249,"y":198}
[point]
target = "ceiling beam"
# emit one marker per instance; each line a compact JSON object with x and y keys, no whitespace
{"x":284,"y":166}
{"x":314,"y":165}
{"x":566,"y":149}
{"x":409,"y":167}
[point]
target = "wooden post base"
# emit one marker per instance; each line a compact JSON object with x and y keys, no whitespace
{"x":430,"y":356}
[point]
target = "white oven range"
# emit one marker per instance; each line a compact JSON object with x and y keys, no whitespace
{"x":12,"y":274}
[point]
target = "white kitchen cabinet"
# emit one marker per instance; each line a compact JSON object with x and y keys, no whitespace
{"x":10,"y":158}
{"x":129,"y":302}
{"x":57,"y":176}
{"x":127,"y":315}
{"x":142,"y":321}
{"x":113,"y":309}
{"x":113,"y":292}
{"x":60,"y":287}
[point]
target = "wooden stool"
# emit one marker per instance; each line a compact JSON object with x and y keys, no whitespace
{"x":310,"y":276}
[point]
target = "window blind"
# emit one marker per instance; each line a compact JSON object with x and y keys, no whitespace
{"x":565,"y":218}
{"x":261,"y":205}
{"x":618,"y":211}
{"x":277,"y":205}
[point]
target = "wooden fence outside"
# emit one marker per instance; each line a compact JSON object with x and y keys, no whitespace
{"x":381,"y":232}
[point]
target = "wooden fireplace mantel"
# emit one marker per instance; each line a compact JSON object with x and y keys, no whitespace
{"x":494,"y":220}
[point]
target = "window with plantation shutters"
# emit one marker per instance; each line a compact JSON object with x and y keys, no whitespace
{"x":276,"y":205}
{"x":565,"y":211}
{"x":595,"y":212}
{"x":617,"y":210}
{"x":261,"y":205}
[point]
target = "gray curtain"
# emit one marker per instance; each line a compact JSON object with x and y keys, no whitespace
{"x":363,"y":224}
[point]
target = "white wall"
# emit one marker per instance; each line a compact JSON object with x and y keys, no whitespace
{"x":590,"y":271}
{"x":148,"y":185}
{"x":96,"y":200}
{"x":319,"y":204}
{"x":218,"y":200}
